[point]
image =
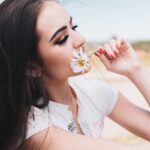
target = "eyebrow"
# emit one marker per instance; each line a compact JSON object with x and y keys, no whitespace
{"x":60,"y":30}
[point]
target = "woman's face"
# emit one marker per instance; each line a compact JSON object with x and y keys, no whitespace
{"x":57,"y":39}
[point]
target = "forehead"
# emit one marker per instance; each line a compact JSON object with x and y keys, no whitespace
{"x":51,"y":18}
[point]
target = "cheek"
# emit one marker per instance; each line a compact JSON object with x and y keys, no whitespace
{"x":57,"y":62}
{"x":60,"y":58}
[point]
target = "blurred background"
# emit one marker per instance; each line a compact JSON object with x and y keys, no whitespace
{"x":101,"y":20}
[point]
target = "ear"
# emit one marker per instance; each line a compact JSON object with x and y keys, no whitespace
{"x":34,"y":70}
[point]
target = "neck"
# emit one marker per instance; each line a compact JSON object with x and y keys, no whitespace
{"x":59,"y":91}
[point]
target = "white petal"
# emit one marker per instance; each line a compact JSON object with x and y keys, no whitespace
{"x":73,"y":65}
{"x":77,"y":69}
{"x":88,"y":65}
{"x":81,"y":53}
{"x":85,"y":57}
{"x":74,"y":60}
{"x":75,"y":54}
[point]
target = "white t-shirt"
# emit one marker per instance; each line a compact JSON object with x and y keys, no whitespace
{"x":95,"y":100}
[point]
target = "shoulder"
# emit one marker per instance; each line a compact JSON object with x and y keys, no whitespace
{"x":96,"y":93}
{"x":90,"y":84}
{"x":84,"y":82}
{"x":38,"y":119}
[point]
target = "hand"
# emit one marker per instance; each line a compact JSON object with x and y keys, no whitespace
{"x":118,"y":56}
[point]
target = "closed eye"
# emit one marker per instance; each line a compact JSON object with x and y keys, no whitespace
{"x":62,"y":40}
{"x":65,"y":37}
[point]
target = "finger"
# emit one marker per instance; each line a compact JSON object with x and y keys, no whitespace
{"x":124,"y":47}
{"x":119,"y":42}
{"x":101,"y":49}
{"x":109,"y":51}
{"x":113,"y":46}
{"x":106,"y":61}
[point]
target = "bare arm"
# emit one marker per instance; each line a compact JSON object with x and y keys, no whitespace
{"x":58,"y":139}
{"x":141,"y":78}
{"x":131,"y":117}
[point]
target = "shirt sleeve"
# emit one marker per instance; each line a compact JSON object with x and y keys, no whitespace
{"x":97,"y":96}
{"x":105,"y":96}
{"x":37,"y":122}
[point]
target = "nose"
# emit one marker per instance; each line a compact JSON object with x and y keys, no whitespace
{"x":79,"y":41}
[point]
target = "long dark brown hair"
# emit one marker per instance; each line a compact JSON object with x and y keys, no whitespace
{"x":18,"y":48}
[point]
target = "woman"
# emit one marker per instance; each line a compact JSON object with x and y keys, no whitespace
{"x":37,"y":43}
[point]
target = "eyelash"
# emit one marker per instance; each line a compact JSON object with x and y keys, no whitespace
{"x":74,"y":27}
{"x":65,"y":37}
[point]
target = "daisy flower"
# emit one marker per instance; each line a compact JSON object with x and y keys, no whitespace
{"x":80,"y":61}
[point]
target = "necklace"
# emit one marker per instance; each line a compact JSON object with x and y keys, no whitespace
{"x":74,"y":125}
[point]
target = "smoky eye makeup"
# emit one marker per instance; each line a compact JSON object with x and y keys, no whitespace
{"x":61,"y":40}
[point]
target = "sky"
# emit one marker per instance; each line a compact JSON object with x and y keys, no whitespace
{"x":101,"y":19}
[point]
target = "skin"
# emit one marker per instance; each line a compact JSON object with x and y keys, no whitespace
{"x":55,"y":68}
{"x":124,"y":55}
{"x":57,"y":56}
{"x":114,"y":55}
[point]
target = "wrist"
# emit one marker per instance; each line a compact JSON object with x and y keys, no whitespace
{"x":135,"y":72}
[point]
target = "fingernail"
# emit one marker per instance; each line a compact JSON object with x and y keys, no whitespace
{"x":101,"y":50}
{"x":116,"y":53}
{"x":117,"y":45}
{"x":96,"y":54}
{"x":112,"y":56}
{"x":104,"y":52}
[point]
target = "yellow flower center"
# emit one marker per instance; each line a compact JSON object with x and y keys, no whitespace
{"x":81,"y":62}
